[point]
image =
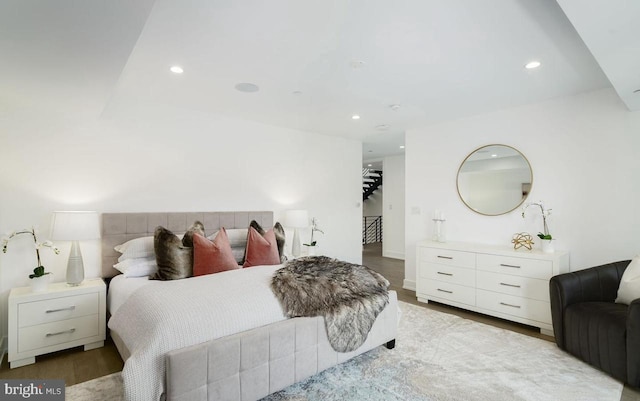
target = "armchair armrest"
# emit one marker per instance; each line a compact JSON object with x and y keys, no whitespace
{"x":595,"y":284}
{"x":633,"y":343}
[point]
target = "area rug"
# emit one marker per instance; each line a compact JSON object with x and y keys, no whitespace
{"x":438,"y":357}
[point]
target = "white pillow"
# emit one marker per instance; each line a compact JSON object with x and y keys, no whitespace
{"x":630,"y":284}
{"x":136,"y":248}
{"x":237,"y":236}
{"x":138,"y":267}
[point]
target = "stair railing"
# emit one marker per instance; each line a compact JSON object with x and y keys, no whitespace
{"x":371,"y":229}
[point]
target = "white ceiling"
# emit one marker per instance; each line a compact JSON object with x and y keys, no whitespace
{"x":436,"y":59}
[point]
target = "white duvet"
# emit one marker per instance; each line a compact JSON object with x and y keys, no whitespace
{"x":175,"y":314}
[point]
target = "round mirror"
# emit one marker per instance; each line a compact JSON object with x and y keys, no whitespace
{"x":494,"y":180}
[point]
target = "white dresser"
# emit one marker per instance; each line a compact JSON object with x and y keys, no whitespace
{"x":59,"y":318}
{"x":493,"y":280}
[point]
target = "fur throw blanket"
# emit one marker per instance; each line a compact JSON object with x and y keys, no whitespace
{"x":349,"y":296}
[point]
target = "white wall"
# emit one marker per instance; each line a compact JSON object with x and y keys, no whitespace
{"x":394,"y":211}
{"x":584,"y":152}
{"x":373,"y":205}
{"x":169,"y":162}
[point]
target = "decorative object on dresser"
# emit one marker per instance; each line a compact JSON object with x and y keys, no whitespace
{"x":39,"y":278}
{"x":545,"y":235}
{"x":296,"y":219}
{"x":594,"y":320}
{"x":311,"y":246}
{"x":520,"y":240}
{"x":438,"y":226}
{"x":75,"y":227}
{"x":494,"y":180}
{"x":490,"y":279}
{"x":61,"y":317}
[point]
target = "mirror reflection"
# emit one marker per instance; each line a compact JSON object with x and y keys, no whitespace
{"x":494,"y":180}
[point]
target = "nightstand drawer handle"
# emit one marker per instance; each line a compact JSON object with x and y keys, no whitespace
{"x":61,"y":332}
{"x":505,"y":265}
{"x":445,"y":274}
{"x":60,"y":310}
{"x":510,"y":285}
{"x":445,"y":257}
{"x":513,"y":306}
{"x":448,"y":292}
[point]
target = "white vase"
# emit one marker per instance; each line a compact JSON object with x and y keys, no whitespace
{"x":547,"y":246}
{"x":311,"y":250}
{"x":40,"y":284}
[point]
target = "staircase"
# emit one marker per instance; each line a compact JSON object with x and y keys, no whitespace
{"x":371,"y":180}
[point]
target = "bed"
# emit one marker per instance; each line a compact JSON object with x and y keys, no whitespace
{"x":241,"y":349}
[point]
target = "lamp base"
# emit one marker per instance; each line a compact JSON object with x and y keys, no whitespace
{"x":75,"y":266}
{"x":295,"y":248}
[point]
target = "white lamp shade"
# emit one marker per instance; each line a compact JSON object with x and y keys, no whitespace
{"x":75,"y":226}
{"x":296,"y":218}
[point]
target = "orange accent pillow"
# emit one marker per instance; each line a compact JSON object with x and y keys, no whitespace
{"x":261,"y":250}
{"x":212,"y":256}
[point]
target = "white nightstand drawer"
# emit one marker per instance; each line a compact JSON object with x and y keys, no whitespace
{"x":44,"y":335}
{"x":51,"y":310}
{"x":526,"y":308}
{"x":514,"y":285}
{"x":534,"y":268}
{"x":448,"y":274}
{"x":451,"y":292}
{"x":448,"y":257}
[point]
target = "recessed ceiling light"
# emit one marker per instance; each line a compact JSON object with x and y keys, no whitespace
{"x":394,"y":107}
{"x":176,"y":69}
{"x":355,"y":117}
{"x":382,"y":127}
{"x":401,"y":146}
{"x":296,"y":93}
{"x":369,"y":165}
{"x":494,"y":155}
{"x":636,"y":91}
{"x":247,"y":87}
{"x":532,"y":64}
{"x":370,"y":151}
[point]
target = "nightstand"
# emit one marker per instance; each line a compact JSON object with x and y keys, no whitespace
{"x":61,"y":317}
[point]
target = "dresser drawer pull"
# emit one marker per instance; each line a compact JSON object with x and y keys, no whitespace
{"x":445,"y":257}
{"x":61,"y":332}
{"x":505,"y":265}
{"x":445,"y":274}
{"x":60,"y":310}
{"x":510,"y":285}
{"x":513,"y":306}
{"x":448,"y":292}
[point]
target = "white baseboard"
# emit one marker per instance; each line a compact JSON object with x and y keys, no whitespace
{"x":393,"y":255}
{"x":409,"y":285}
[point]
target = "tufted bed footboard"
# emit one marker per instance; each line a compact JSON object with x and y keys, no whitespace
{"x":253,"y":364}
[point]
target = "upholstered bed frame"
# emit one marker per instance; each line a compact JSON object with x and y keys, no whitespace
{"x":245,"y":366}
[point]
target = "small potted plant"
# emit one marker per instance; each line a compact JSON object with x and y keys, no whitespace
{"x":545,"y":235}
{"x":311,"y":246}
{"x":39,"y":277}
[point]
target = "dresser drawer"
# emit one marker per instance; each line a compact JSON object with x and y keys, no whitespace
{"x":51,"y":310}
{"x":534,"y":268}
{"x":513,"y":285}
{"x":47,"y":334}
{"x":448,"y":291}
{"x":447,"y":257}
{"x":516,"y":306}
{"x":448,"y":274}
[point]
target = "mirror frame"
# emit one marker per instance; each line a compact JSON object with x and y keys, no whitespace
{"x":467,"y":158}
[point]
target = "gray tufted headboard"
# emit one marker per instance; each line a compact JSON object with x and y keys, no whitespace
{"x":118,"y":228}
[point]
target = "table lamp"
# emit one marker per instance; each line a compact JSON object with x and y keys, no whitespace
{"x":75,"y":226}
{"x":296,"y":219}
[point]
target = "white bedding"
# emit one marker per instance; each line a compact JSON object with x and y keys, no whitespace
{"x":160,"y":316}
{"x":121,"y":288}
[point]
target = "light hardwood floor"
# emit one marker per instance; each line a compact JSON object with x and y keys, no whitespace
{"x":75,"y":366}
